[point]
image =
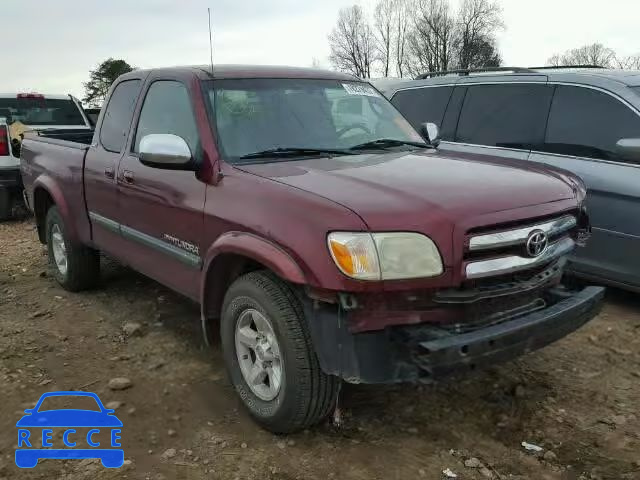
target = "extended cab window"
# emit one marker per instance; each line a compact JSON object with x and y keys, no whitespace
{"x":587,"y":123}
{"x":118,"y":115}
{"x":420,"y":105}
{"x":167,"y":109}
{"x":509,"y":115}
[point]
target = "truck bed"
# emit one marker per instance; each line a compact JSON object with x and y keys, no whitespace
{"x":53,"y":161}
{"x":74,"y":135}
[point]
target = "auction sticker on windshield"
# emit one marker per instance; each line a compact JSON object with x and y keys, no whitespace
{"x":69,"y":432}
{"x":360,"y":89}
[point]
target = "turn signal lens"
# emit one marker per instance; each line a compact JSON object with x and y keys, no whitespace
{"x":355,"y":255}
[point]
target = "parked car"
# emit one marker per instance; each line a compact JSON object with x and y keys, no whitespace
{"x":34,"y":112}
{"x":584,"y":120}
{"x":322,"y":250}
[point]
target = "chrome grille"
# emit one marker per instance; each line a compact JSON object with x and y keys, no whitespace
{"x":506,"y":251}
{"x":518,"y":236}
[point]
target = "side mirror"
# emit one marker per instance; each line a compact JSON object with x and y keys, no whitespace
{"x":29,"y":410}
{"x":629,"y":149}
{"x":164,"y":150}
{"x":431,"y":133}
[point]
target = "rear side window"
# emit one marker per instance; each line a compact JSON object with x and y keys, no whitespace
{"x":118,"y":115}
{"x":510,"y":115}
{"x":587,"y":123}
{"x":420,"y":105}
{"x":167,"y":109}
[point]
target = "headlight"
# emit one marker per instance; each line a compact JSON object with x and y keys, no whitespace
{"x":385,"y":256}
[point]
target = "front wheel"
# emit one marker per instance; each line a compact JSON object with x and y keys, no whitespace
{"x":269,"y":356}
{"x":75,"y":267}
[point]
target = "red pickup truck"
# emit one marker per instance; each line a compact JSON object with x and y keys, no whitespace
{"x":324,"y":237}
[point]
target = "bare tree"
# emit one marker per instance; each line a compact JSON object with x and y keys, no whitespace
{"x":555,"y":60}
{"x":594,"y":54}
{"x":384,"y":23}
{"x":476,"y":24}
{"x":402,"y":21}
{"x":352,"y":43}
{"x":431,"y":41}
{"x":630,"y":62}
{"x":416,"y":36}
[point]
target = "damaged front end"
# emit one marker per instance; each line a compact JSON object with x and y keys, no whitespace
{"x":492,"y":316}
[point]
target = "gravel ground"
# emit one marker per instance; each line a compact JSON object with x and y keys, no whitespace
{"x":578,"y":399}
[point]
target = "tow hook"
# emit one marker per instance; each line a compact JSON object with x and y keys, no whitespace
{"x":348,"y":301}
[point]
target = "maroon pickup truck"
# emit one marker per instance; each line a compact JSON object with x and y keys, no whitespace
{"x":324,"y":237}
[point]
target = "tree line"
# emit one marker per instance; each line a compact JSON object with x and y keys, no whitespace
{"x":595,"y":54}
{"x":405,"y":38}
{"x":410,"y":37}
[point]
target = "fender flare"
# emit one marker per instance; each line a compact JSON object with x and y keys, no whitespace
{"x":55,"y":192}
{"x":255,"y":248}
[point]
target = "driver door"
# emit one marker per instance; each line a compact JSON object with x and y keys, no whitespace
{"x":162,"y":210}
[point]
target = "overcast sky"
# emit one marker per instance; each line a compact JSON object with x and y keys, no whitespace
{"x":50,"y":46}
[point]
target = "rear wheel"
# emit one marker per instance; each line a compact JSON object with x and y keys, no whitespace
{"x":269,"y":355}
{"x":5,"y":204}
{"x":74,"y":267}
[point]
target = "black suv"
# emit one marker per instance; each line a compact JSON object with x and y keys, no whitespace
{"x":583,"y":119}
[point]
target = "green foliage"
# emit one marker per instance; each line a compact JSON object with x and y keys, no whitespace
{"x":100,"y":80}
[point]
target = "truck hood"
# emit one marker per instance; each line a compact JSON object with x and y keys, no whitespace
{"x":399,"y":185}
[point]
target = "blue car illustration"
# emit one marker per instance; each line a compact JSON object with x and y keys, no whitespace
{"x":39,"y":446}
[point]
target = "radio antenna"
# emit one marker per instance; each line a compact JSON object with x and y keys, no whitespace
{"x":210,"y":40}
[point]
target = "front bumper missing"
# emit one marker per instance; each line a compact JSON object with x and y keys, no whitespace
{"x":453,"y":353}
{"x":427,"y":352}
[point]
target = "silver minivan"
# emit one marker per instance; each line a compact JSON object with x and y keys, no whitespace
{"x":583,"y":119}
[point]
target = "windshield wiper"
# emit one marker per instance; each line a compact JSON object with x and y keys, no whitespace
{"x":382,"y":143}
{"x":293,"y":151}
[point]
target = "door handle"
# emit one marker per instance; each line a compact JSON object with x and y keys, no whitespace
{"x":127,"y":176}
{"x":110,"y":172}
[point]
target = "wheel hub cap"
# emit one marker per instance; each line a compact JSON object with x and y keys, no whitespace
{"x":258,"y":354}
{"x":59,"y":249}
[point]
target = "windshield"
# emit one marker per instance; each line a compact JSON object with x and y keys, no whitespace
{"x":254,"y":115}
{"x":41,"y":111}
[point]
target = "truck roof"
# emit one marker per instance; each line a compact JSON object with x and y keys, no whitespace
{"x":251,"y":71}
{"x":45,"y":95}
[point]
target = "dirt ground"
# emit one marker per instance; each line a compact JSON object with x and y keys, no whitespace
{"x":578,"y":399}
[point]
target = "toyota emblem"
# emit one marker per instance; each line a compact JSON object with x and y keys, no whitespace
{"x":537,"y":243}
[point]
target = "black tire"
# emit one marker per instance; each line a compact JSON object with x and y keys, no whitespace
{"x":83,"y":263}
{"x":307,"y":395}
{"x":5,"y":204}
